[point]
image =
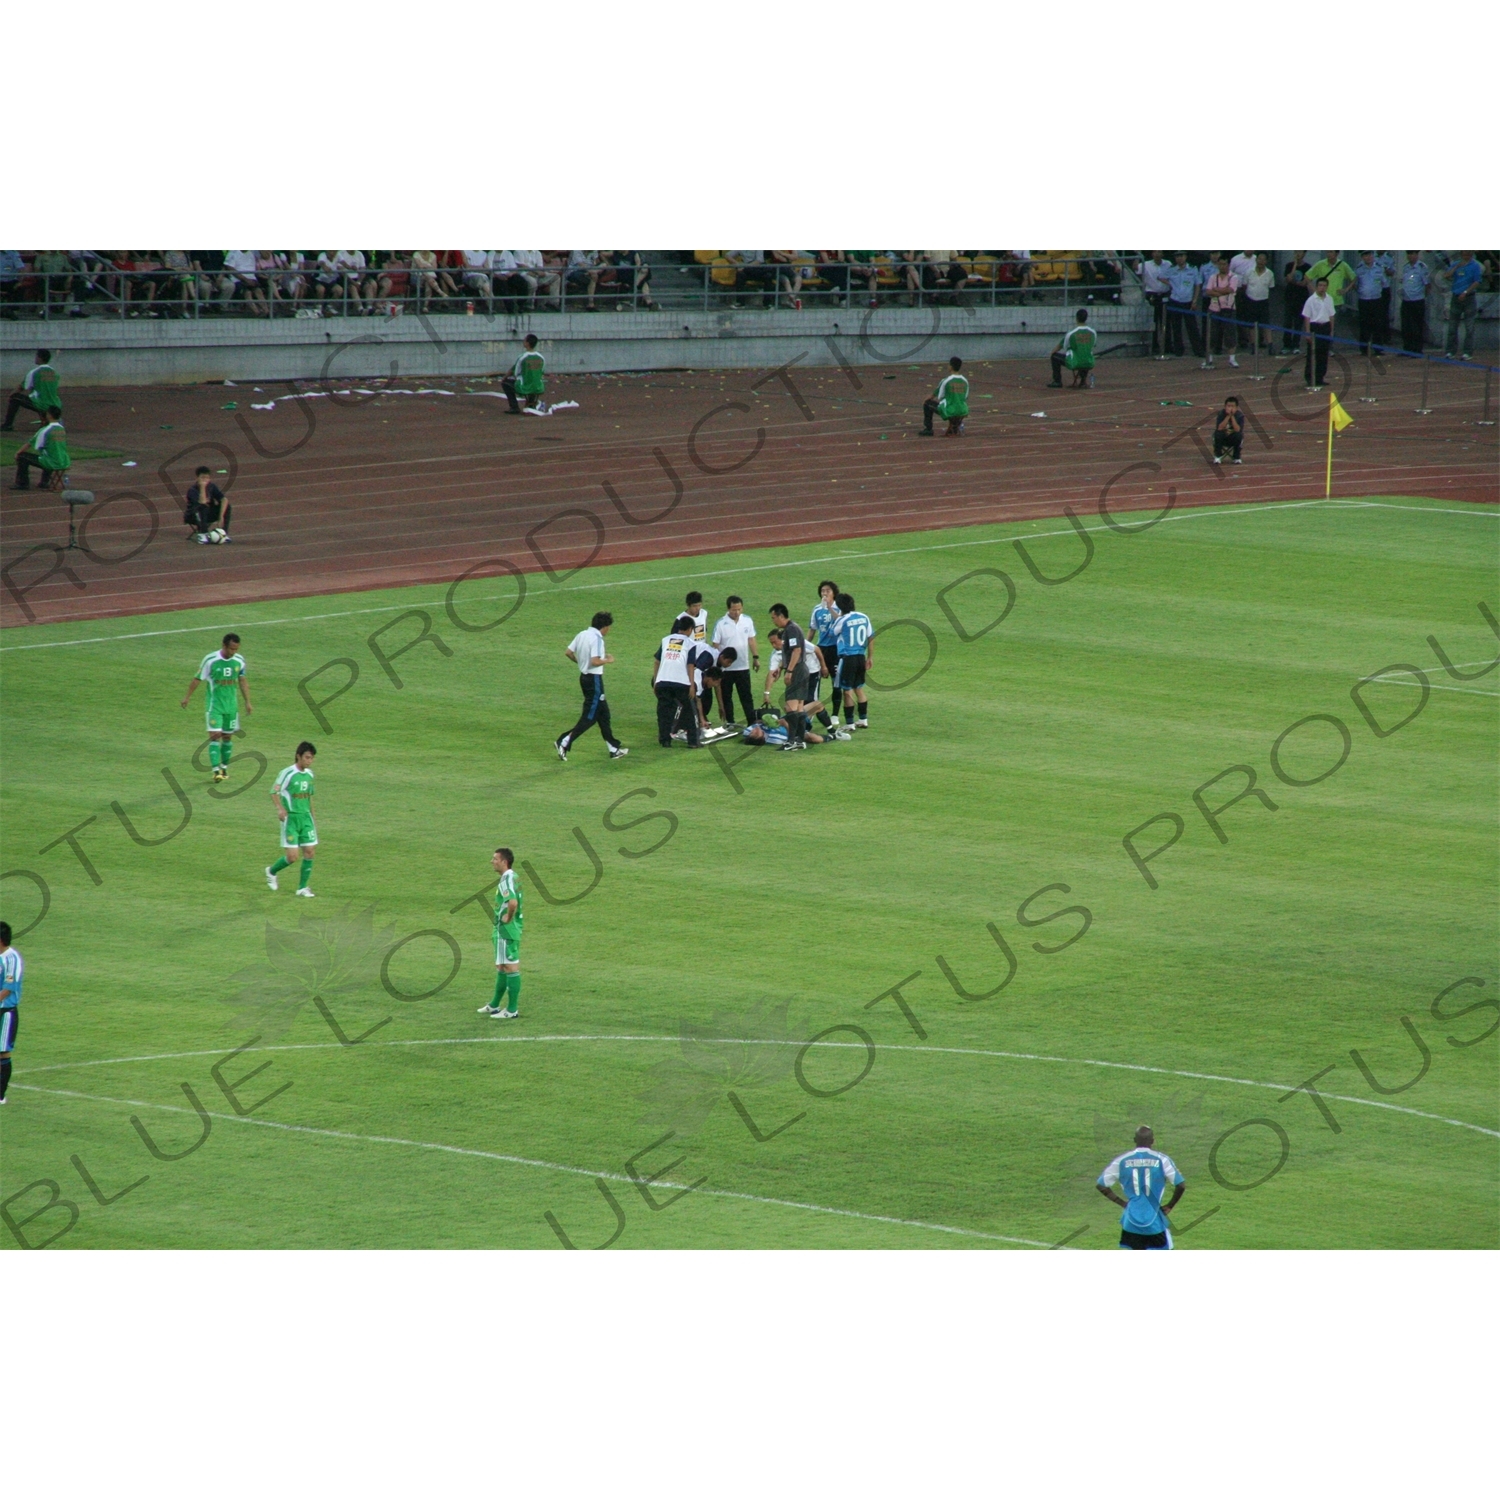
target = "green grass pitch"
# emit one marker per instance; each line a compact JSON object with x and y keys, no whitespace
{"x":1018,"y":760}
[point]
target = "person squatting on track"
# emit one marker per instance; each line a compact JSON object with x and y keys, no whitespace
{"x":47,"y":451}
{"x":588,"y":650}
{"x":950,"y":401}
{"x":1229,"y":430}
{"x":1075,"y":351}
{"x":37,"y":392}
{"x":204,"y":507}
{"x":527,"y":378}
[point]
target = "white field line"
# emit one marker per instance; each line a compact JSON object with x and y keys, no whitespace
{"x":1404,"y":679}
{"x":511,"y":1039}
{"x":572,"y":588}
{"x":547,"y":1166}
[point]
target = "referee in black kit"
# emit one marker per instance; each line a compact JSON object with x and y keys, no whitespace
{"x":795,"y":670}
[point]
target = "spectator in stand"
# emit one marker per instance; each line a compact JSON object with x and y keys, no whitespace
{"x":1023,"y":275}
{"x":1414,"y":278}
{"x":1153,"y":274}
{"x":57,"y":272}
{"x":540,"y":281}
{"x":751,"y":272}
{"x":430,"y":281}
{"x":1182,"y":305}
{"x":583,"y":275}
{"x":240,"y":277}
{"x":1370,"y":287}
{"x":789,"y":275}
{"x":294,"y":276}
{"x":506,"y":281}
{"x":1295,"y":290}
{"x":269,"y":264}
{"x":327,"y":280}
{"x":12,"y":269}
{"x":629,"y":274}
{"x":353,"y":274}
{"x":1317,"y":327}
{"x":1220,"y":290}
{"x":394,"y":280}
{"x":182,"y":280}
{"x":1242,"y":265}
{"x":864,"y":266}
{"x":477,"y":273}
{"x":1258,"y":286}
{"x":942,"y":272}
{"x":1464,"y":283}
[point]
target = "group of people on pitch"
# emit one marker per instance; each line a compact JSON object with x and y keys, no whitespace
{"x":696,"y":671}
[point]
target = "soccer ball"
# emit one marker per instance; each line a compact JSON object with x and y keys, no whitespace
{"x":217,"y":534}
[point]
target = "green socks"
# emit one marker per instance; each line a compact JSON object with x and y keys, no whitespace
{"x":305,"y":875}
{"x":280,"y":865}
{"x":513,"y":984}
{"x":213,"y":754}
{"x":498,"y":1000}
{"x":226,"y":748}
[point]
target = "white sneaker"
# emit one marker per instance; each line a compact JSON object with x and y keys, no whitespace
{"x":504,"y":1015}
{"x":1218,"y":460}
{"x":487,"y":1010}
{"x":303,"y":892}
{"x":1234,"y":364}
{"x":201,"y":540}
{"x":562,"y":749}
{"x":679,"y":734}
{"x":861,"y":723}
{"x":271,"y":879}
{"x":618,"y":751}
{"x":842,"y":734}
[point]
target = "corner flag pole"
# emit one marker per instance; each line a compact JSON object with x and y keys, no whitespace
{"x":1328,"y":475}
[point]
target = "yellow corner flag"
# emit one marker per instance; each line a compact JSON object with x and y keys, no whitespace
{"x":1338,"y":420}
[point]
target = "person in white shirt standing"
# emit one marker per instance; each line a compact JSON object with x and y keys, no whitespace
{"x":1317,"y":328}
{"x":1154,"y":287}
{"x":737,"y":629}
{"x":587,"y":648}
{"x":1257,"y":290}
{"x":1242,"y":265}
{"x":672,"y":682}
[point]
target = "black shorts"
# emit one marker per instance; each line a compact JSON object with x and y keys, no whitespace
{"x":797,"y":683}
{"x":1129,"y":1240}
{"x":1257,"y":312}
{"x":851,"y":671}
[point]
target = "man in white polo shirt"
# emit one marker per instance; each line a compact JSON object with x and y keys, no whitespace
{"x":737,"y":629}
{"x":587,"y":648}
{"x":1154,"y":287}
{"x":1317,"y":328}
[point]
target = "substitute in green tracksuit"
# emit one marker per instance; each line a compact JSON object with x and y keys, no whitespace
{"x":527,"y":378}
{"x":950,"y":401}
{"x":47,"y":451}
{"x":36,"y":392}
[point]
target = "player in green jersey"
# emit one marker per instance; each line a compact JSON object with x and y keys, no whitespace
{"x":292,"y":796}
{"x":526,"y":379}
{"x":224,"y":672}
{"x":507,"y":940}
{"x":37,"y":392}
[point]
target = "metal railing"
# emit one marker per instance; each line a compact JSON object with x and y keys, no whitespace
{"x":982,"y":278}
{"x":282,"y":291}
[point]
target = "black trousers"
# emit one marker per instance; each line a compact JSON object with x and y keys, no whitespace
{"x":595,"y":710}
{"x":1228,"y":442}
{"x":1316,"y":363}
{"x":26,"y":460}
{"x":1372,"y":326}
{"x":929,"y":411}
{"x":738,"y":682}
{"x":1291,"y":322}
{"x":673,"y":698}
{"x":1413,"y":325}
{"x":1180,"y":316}
{"x":19,"y":401}
{"x":1158,"y":301}
{"x":508,"y":385}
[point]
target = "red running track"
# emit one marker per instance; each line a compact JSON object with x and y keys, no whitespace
{"x":356,"y":492}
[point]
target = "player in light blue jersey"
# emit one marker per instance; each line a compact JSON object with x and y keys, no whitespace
{"x":11,"y":970}
{"x":822,"y":628}
{"x":1141,"y":1175}
{"x":853,"y":633}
